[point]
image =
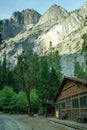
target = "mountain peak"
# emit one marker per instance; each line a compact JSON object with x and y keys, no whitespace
{"x":54,"y":6}
{"x":85,"y":5}
{"x":54,"y":14}
{"x":83,"y":10}
{"x":57,"y":9}
{"x":27,"y":16}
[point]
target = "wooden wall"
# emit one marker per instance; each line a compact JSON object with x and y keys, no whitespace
{"x":70,"y":89}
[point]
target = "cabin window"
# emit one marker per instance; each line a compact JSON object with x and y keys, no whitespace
{"x":56,"y":106}
{"x":75,"y":103}
{"x":60,"y":105}
{"x":63,"y":105}
{"x":83,"y":101}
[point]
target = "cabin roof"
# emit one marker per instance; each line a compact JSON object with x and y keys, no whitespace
{"x":75,"y":79}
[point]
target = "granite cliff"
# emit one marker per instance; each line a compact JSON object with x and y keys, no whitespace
{"x":18,"y":22}
{"x":28,"y":29}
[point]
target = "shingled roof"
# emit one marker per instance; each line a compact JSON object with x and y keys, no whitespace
{"x":80,"y":80}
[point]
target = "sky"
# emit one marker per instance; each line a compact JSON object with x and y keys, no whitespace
{"x":7,"y":7}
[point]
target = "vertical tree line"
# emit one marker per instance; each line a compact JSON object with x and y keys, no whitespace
{"x":81,"y":70}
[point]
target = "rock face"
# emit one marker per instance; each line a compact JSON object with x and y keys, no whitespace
{"x":53,"y":15}
{"x":28,"y":29}
{"x":18,"y":22}
{"x":28,"y":16}
{"x":83,"y":10}
{"x":11,"y":29}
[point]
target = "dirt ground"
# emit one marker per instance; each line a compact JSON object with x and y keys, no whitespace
{"x":36,"y":122}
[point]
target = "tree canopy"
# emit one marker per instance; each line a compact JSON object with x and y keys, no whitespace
{"x":34,"y":80}
{"x":81,"y":69}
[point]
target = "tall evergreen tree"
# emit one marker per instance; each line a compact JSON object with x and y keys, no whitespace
{"x":54,"y":83}
{"x":84,"y":53}
{"x":81,"y":70}
{"x":3,"y":73}
{"x":54,"y":61}
{"x":42,"y":79}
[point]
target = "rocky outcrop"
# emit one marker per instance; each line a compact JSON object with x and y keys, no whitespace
{"x":17,"y":17}
{"x":53,"y":15}
{"x":28,"y":16}
{"x":28,"y":29}
{"x":59,"y":32}
{"x":83,"y":10}
{"x":11,"y":29}
{"x":19,"y":22}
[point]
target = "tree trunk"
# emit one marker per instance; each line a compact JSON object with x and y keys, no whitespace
{"x":27,"y":91}
{"x":28,"y":101}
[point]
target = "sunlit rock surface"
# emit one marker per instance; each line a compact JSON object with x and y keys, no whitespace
{"x":28,"y":29}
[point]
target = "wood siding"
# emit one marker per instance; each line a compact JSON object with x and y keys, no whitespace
{"x":71,"y":89}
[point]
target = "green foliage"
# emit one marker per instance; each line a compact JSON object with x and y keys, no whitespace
{"x":54,"y":83}
{"x":10,"y":79}
{"x":3,"y":73}
{"x":6,"y":75}
{"x":40,"y":73}
{"x":81,"y":70}
{"x":39,"y":77}
{"x":21,"y":103}
{"x":7,"y":96}
{"x":26,"y":71}
{"x":75,"y":11}
{"x":84,"y":46}
{"x":54,"y":61}
{"x":47,"y":81}
{"x":32,"y":65}
{"x":12,"y":102}
{"x":34,"y":99}
{"x":17,"y":84}
{"x":1,"y":100}
{"x":27,"y":67}
{"x":42,"y":79}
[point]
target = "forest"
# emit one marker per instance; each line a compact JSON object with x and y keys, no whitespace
{"x":30,"y":83}
{"x":34,"y":80}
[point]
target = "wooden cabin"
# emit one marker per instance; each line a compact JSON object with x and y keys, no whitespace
{"x":71,"y":98}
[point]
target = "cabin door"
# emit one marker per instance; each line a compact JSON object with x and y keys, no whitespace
{"x":60,"y":110}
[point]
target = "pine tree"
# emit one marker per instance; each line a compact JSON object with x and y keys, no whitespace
{"x":42,"y":79}
{"x":53,"y":83}
{"x":81,"y":70}
{"x":3,"y":73}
